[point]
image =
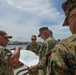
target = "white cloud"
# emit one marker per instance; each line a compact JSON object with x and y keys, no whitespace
{"x":10,"y":2}
{"x":22,"y":18}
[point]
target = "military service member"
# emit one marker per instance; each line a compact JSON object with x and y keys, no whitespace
{"x":49,"y":43}
{"x":63,"y":57}
{"x":7,"y":59}
{"x":33,"y":46}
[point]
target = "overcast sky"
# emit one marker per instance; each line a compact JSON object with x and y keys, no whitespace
{"x":23,"y":18}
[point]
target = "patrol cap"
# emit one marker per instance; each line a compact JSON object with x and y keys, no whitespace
{"x":67,"y":7}
{"x":3,"y":33}
{"x":42,"y":29}
{"x":33,"y":37}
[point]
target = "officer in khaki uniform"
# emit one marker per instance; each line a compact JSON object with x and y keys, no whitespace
{"x":33,"y":46}
{"x":49,"y":43}
{"x":63,"y":57}
{"x":7,"y":59}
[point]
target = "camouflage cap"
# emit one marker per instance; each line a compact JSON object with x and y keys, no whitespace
{"x":42,"y":29}
{"x":3,"y":33}
{"x":68,"y":6}
{"x":33,"y":37}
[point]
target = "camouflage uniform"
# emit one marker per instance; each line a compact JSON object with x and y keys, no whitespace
{"x":5,"y":66}
{"x":63,"y":57}
{"x":34,"y":48}
{"x":48,"y":44}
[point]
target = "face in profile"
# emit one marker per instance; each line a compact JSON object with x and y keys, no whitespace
{"x":72,"y":21}
{"x":4,"y":41}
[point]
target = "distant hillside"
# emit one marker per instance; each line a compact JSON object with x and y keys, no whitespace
{"x":18,"y":43}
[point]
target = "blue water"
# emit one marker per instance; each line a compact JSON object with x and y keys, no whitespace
{"x":12,"y":46}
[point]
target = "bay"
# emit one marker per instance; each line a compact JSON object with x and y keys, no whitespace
{"x":12,"y":46}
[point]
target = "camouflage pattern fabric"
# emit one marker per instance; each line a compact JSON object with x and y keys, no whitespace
{"x":63,"y":58}
{"x":34,"y":48}
{"x":48,"y":44}
{"x":5,"y":66}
